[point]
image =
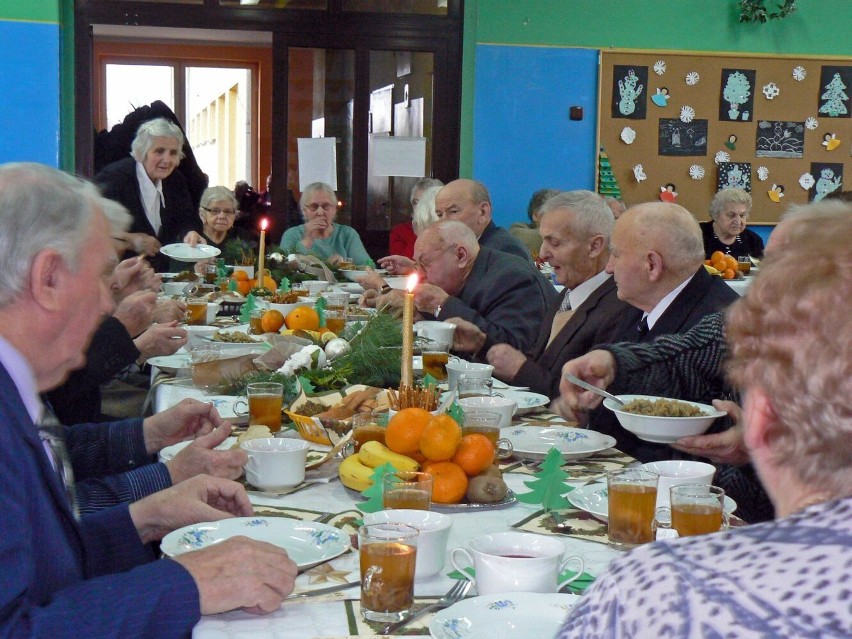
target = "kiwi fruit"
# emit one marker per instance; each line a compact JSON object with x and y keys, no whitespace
{"x":484,"y":489}
{"x":491,"y":471}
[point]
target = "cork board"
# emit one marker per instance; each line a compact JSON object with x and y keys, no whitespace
{"x":726,"y":96}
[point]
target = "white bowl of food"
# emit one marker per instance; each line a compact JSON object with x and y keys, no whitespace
{"x":662,"y":420}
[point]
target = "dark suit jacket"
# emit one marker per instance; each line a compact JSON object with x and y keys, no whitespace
{"x":499,"y":239}
{"x":118,"y":182}
{"x":505,"y":296}
{"x":703,"y":295}
{"x":595,"y":321}
{"x":49,"y":560}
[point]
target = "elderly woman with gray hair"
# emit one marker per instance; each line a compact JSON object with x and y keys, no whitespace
{"x":152,"y":191}
{"x":726,"y":230}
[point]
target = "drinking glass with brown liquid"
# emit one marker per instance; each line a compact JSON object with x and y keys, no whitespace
{"x":488,"y":424}
{"x":632,"y":497}
{"x":387,"y":556}
{"x":436,"y":355}
{"x":366,"y":427}
{"x":196,"y":311}
{"x":407,"y":489}
{"x":697,"y":509}
{"x":265,"y":400}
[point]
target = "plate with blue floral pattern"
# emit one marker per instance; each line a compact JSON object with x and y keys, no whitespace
{"x":533,"y":442}
{"x":504,"y":616}
{"x":308,"y":543}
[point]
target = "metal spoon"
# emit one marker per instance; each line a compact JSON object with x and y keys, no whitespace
{"x":579,"y":382}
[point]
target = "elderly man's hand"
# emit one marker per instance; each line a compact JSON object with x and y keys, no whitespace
{"x":391,"y":302}
{"x":506,"y":360}
{"x":143,"y":243}
{"x":371,"y":281}
{"x":397,"y":264}
{"x":168,"y":310}
{"x":201,"y":457}
{"x":188,"y":419}
{"x":201,"y":498}
{"x":134,"y":274}
{"x":467,"y":338}
{"x":428,"y":297}
{"x":136,"y":311}
{"x":595,"y":367}
{"x":726,"y":447}
{"x":240,"y":573}
{"x":159,"y":339}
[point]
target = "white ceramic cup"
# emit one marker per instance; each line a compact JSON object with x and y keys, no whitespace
{"x":315,"y":288}
{"x":212,"y":310}
{"x":431,"y":543}
{"x":275,"y":463}
{"x":173,"y":288}
{"x":435,"y":331}
{"x":677,"y":472}
{"x":456,"y":367}
{"x":516,"y":562}
{"x":195,"y":335}
{"x":506,"y":408}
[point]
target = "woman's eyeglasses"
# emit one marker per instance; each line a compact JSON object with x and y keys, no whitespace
{"x":227,"y":212}
{"x":316,"y":207}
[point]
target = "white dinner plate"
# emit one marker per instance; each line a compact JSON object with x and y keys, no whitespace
{"x":527,"y":401}
{"x":170,"y":451}
{"x":353,"y":275}
{"x":187,"y":253}
{"x":308,"y":543}
{"x":353,"y":288}
{"x":509,"y":615}
{"x":171,"y":363}
{"x":594,"y":500}
{"x":533,"y":442}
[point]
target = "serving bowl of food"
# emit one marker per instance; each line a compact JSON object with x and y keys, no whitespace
{"x":660,"y":419}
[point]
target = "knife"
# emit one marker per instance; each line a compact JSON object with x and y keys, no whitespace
{"x":324,"y":591}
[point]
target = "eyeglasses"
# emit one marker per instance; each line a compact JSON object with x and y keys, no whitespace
{"x":227,"y":212}
{"x":421,"y":265}
{"x":316,"y":207}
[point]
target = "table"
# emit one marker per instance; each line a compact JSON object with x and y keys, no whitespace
{"x":337,"y":614}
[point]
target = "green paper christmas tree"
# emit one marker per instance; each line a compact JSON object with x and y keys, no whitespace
{"x":373,"y":494}
{"x":607,"y":184}
{"x":320,"y":308}
{"x":456,"y":412}
{"x":249,"y":305}
{"x":549,"y":485}
{"x":284,"y":285}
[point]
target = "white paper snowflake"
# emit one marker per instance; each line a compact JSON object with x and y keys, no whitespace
{"x":660,"y":67}
{"x":811,"y":124}
{"x":692,"y":78}
{"x":799,"y":73}
{"x":807,"y":181}
{"x":639,"y":173}
{"x":721,"y":156}
{"x":628,"y":135}
{"x":687,"y":113}
{"x":696,"y":171}
{"x":762,"y":173}
{"x":771,"y":91}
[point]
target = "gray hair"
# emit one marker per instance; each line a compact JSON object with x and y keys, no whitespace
{"x":422,"y":184}
{"x":729,"y":196}
{"x":40,"y":208}
{"x":424,"y":212}
{"x":312,"y":188}
{"x":118,"y":217}
{"x":479,"y":192}
{"x":673,"y":232}
{"x":537,"y":200}
{"x":592,"y":215}
{"x":217,"y":194}
{"x":156,"y":128}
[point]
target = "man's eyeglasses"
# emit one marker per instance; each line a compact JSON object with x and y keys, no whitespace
{"x":228,"y":212}
{"x":316,"y":207}
{"x":422,"y":265}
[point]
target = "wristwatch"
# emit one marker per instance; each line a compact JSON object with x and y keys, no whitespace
{"x":385,"y":289}
{"x":437,"y":310}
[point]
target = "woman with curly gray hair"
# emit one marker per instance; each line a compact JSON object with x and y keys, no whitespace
{"x":726,"y":230}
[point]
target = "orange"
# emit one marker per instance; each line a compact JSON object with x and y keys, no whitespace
{"x":731,"y":262}
{"x":449,"y":482}
{"x":440,"y":438}
{"x":240,"y":276}
{"x":717,"y":255}
{"x":244,"y":285}
{"x":475,"y":454}
{"x":728,"y":274}
{"x":302,"y":318}
{"x":404,"y":429}
{"x":272,"y":321}
{"x":268,"y":283}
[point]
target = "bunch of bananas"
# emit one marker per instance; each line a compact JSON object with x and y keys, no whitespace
{"x":356,"y":470}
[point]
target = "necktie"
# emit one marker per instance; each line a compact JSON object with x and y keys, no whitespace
{"x":642,"y":327}
{"x":560,"y":319}
{"x":566,"y":304}
{"x":52,"y":436}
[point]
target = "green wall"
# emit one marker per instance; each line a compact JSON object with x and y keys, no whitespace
{"x":819,"y":28}
{"x":30,"y":10}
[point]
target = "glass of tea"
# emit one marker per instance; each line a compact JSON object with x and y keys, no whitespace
{"x":407,"y":489}
{"x":474,"y":386}
{"x":367,"y":427}
{"x":488,"y":424}
{"x":744,"y":264}
{"x":632,"y":497}
{"x":697,"y":509}
{"x":256,"y":322}
{"x":196,"y":311}
{"x":436,"y":355}
{"x":388,"y":552}
{"x":264,"y":400}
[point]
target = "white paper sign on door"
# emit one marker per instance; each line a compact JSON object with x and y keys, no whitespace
{"x":317,"y":161}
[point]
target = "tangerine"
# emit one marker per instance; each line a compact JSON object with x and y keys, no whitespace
{"x":272,"y":321}
{"x":244,"y":286}
{"x":728,"y":274}
{"x":404,"y":429}
{"x":449,"y":482}
{"x":440,"y":438}
{"x":731,"y":262}
{"x":240,"y":276}
{"x":716,"y":256}
{"x":302,"y":318}
{"x":475,"y":453}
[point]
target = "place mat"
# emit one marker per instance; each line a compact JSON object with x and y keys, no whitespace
{"x":585,"y":469}
{"x":358,"y":626}
{"x":569,"y":521}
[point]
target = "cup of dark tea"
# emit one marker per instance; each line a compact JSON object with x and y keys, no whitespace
{"x":436,"y":355}
{"x":388,"y":554}
{"x":744,"y":264}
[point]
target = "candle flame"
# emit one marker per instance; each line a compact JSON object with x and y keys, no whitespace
{"x":263,"y":224}
{"x":411,"y":282}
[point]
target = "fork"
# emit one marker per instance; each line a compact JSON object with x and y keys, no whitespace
{"x":454,"y":595}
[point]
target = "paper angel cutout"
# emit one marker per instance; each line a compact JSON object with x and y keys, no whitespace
{"x":799,"y":73}
{"x":830,"y":141}
{"x":692,"y":78}
{"x":668,"y":193}
{"x":660,"y":67}
{"x":687,"y":114}
{"x":807,"y":181}
{"x":776,"y":193}
{"x":762,"y":173}
{"x":661,"y":97}
{"x":696,"y":171}
{"x":732,"y":142}
{"x":628,"y":135}
{"x":721,"y":156}
{"x":771,"y":91}
{"x":811,"y":124}
{"x":639,"y":173}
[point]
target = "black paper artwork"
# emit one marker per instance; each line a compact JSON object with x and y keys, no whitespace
{"x":736,"y":102}
{"x":734,"y":175}
{"x":629,"y":92}
{"x":777,"y":139}
{"x":682,"y":138}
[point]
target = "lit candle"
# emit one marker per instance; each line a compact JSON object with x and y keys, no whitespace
{"x":407,"y":376}
{"x":262,"y":253}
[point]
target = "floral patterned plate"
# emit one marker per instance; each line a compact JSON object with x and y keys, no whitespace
{"x":307,"y":543}
{"x":507,"y":615}
{"x":533,"y":442}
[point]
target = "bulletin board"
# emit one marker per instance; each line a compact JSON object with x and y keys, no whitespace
{"x":677,"y":127}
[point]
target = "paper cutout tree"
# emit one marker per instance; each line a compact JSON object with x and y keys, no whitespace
{"x":320,"y":308}
{"x":607,"y":184}
{"x":249,"y":305}
{"x":549,"y":485}
{"x":373,"y":494}
{"x":835,"y":96}
{"x":284,"y":285}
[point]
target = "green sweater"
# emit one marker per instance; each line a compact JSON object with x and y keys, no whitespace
{"x":343,"y":241}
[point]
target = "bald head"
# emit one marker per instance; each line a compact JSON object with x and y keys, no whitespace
{"x":446,"y":252}
{"x":467,"y":201}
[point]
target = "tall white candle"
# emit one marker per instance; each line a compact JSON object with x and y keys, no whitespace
{"x":407,"y":370}
{"x":261,"y":259}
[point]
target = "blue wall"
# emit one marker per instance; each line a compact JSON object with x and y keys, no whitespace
{"x":522,"y":145}
{"x":29,"y":81}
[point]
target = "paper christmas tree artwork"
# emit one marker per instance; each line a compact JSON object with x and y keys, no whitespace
{"x":549,"y":486}
{"x":373,"y":494}
{"x":320,"y":307}
{"x":607,"y":184}
{"x":284,"y":285}
{"x":835,"y":98}
{"x":249,"y":305}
